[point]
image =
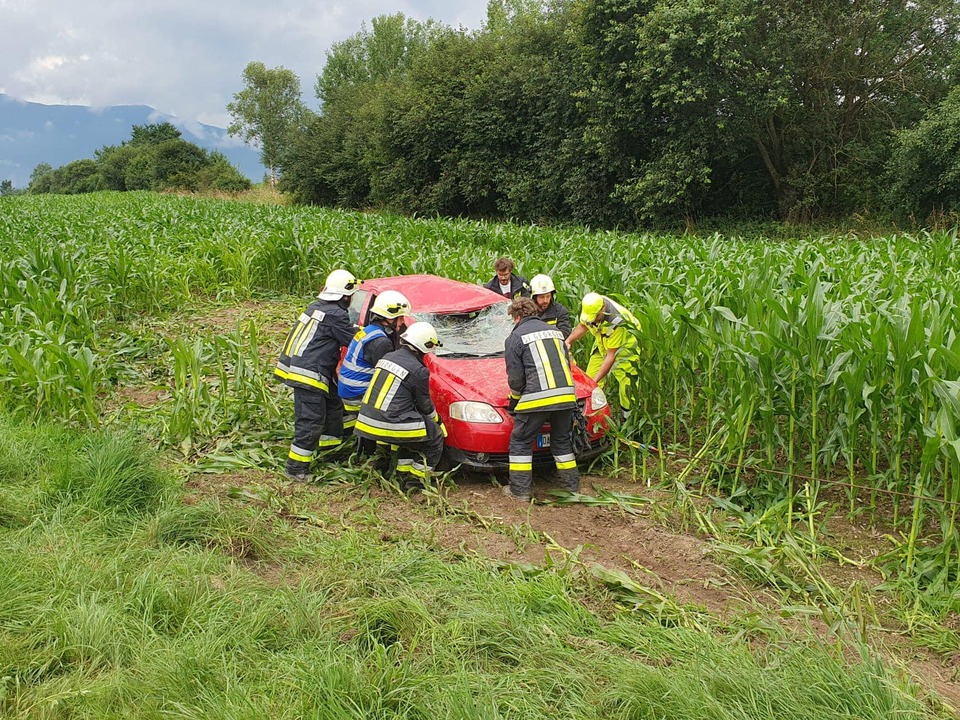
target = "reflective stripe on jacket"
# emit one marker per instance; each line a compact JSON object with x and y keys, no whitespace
{"x":311,"y":351}
{"x":613,"y":331}
{"x":538,"y":367}
{"x":355,"y":371}
{"x":397,"y":403}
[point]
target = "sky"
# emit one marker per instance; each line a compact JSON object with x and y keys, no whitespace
{"x":182,"y":57}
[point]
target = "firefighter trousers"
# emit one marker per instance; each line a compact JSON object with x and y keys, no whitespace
{"x":526,"y":427}
{"x":415,"y":460}
{"x":318,"y":425}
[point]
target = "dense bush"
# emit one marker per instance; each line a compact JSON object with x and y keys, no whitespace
{"x":79,"y":176}
{"x":629,"y":112}
{"x":155,"y":158}
{"x":924,"y":171}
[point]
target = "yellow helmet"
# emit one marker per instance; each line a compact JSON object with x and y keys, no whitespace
{"x":541,"y":285}
{"x":590,"y":307}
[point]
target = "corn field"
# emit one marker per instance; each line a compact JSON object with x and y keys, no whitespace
{"x":827,"y":358}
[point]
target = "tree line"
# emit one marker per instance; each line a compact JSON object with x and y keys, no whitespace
{"x":156,"y":157}
{"x":629,"y":113}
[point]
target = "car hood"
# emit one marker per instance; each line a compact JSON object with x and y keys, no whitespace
{"x":485,"y":379}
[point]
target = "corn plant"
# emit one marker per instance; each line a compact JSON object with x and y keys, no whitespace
{"x":831,"y":358}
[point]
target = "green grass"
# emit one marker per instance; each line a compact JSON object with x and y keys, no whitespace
{"x":151,"y":608}
{"x":830,"y":356}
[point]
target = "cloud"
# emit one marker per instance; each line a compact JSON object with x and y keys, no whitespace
{"x":181,"y":57}
{"x":19,"y":136}
{"x":47,"y":64}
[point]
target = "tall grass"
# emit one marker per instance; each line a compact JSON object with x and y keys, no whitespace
{"x":159,"y":609}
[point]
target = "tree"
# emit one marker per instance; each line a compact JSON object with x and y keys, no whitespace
{"x":855,"y":73}
{"x":622,"y":112}
{"x":338,"y":155}
{"x":924,"y":170}
{"x":153,"y":134}
{"x":6,"y":188}
{"x":40,"y":178}
{"x":155,"y":158}
{"x":79,"y":176}
{"x":369,"y":56}
{"x":176,"y":162}
{"x":810,"y":91}
{"x":114,"y":161}
{"x":483,"y":123}
{"x":266,"y":111}
{"x":503,"y":14}
{"x":219,"y":174}
{"x":139,"y":173}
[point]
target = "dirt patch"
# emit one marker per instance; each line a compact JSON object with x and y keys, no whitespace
{"x":272,"y":318}
{"x":477,"y":519}
{"x":633,"y":543}
{"x":132,"y":396}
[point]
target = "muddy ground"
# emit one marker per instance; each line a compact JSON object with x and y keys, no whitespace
{"x":472,"y":516}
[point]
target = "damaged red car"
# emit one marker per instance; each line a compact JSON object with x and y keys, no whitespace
{"x":468,"y":377}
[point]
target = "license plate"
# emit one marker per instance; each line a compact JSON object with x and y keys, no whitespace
{"x":543,"y":441}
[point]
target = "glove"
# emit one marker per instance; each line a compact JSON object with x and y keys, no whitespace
{"x":512,"y":404}
{"x":443,"y":428}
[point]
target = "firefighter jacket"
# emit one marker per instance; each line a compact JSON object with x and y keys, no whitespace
{"x":519,"y":287}
{"x":558,"y":316}
{"x":613,"y":331}
{"x":397,"y":404}
{"x":366,"y":349}
{"x":538,"y":368}
{"x":311,"y":351}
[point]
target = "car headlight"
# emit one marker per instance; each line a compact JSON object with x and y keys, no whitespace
{"x":598,"y":399}
{"x":475,"y":412}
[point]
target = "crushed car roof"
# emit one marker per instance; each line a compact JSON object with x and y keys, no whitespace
{"x":435,"y":294}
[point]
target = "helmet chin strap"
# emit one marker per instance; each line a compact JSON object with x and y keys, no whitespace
{"x":415,"y":350}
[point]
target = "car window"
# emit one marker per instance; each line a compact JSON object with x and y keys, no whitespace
{"x":356,"y":304}
{"x":475,"y":334}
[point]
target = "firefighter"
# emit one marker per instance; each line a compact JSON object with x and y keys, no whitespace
{"x":506,"y":282}
{"x":308,"y":362}
{"x":366,"y":349}
{"x":397,"y":409}
{"x":544,"y":294}
{"x":614,"y":345}
{"x":541,"y":391}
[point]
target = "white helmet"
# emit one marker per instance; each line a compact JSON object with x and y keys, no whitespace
{"x":541,"y":285}
{"x":422,"y":336}
{"x":390,"y":304}
{"x":340,"y":283}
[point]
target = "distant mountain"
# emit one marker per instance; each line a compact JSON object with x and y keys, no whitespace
{"x":31,"y":134}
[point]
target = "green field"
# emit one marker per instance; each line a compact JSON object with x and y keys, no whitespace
{"x":793,"y":380}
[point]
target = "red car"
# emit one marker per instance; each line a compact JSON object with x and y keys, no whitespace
{"x":468,"y":377}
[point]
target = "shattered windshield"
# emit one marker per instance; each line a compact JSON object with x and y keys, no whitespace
{"x":475,"y":334}
{"x":356,"y":302}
